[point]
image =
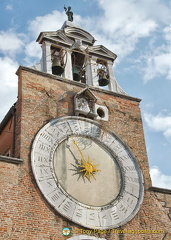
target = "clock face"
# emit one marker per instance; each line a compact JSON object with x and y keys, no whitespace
{"x":87,"y":173}
{"x":84,"y":163}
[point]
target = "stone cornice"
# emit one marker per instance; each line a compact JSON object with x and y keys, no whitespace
{"x":83,"y":85}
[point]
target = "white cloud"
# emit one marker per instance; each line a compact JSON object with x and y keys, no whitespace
{"x":33,"y":49}
{"x":167,"y":33}
{"x":159,"y":179}
{"x":126,"y":18}
{"x":9,"y":7}
{"x":7,"y":72}
{"x":158,"y":58}
{"x":8,"y":83}
{"x":33,"y":53}
{"x":158,"y":65}
{"x":159,"y":123}
{"x":11,"y":42}
{"x":48,"y":22}
{"x":124,"y":23}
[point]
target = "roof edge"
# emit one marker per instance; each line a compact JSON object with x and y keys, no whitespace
{"x":7,"y":117}
{"x":160,"y":190}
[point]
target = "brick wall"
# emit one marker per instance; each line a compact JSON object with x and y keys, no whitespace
{"x":26,"y":214}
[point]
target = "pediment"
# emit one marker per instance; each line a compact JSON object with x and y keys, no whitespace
{"x":101,"y":51}
{"x":77,"y":33}
{"x":55,"y":37}
{"x":87,"y":93}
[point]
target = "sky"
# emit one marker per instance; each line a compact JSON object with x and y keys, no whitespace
{"x":138,"y":32}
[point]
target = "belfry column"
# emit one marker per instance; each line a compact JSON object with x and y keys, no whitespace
{"x":94,"y":77}
{"x":111,"y":74}
{"x":46,"y":58}
{"x":89,"y":72}
{"x":68,"y":67}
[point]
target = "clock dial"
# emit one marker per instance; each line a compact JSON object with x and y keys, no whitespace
{"x":87,"y":173}
{"x":71,"y":159}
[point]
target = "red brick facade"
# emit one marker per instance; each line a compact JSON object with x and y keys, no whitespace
{"x":7,"y":135}
{"x":25,"y":214}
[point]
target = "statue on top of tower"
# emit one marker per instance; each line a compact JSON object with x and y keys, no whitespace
{"x":69,"y":13}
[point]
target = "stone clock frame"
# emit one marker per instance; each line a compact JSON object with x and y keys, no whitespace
{"x":119,"y":211}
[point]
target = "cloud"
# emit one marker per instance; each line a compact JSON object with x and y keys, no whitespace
{"x":9,"y":7}
{"x":159,"y":179}
{"x":121,"y":26}
{"x":124,"y":23}
{"x":33,"y":49}
{"x":159,"y":123}
{"x":48,"y":22}
{"x":33,"y":53}
{"x":126,"y":18}
{"x":8,"y":83}
{"x":11,"y":42}
{"x":158,"y":58}
{"x":158,"y":66}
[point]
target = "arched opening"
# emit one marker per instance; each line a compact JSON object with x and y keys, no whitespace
{"x":78,"y":66}
{"x":102,"y":72}
{"x":57,"y":57}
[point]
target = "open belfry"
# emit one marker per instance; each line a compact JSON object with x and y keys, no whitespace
{"x":73,"y":161}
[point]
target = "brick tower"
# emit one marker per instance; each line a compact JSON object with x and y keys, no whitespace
{"x":75,"y":164}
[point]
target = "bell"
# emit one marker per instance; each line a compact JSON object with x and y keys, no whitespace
{"x":103,"y":80}
{"x":76,"y":73}
{"x":57,"y":69}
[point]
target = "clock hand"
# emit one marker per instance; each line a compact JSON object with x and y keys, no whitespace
{"x":83,"y":158}
{"x":87,"y":167}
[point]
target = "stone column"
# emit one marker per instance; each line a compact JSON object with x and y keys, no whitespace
{"x":93,"y":68}
{"x":46,"y":58}
{"x":88,"y":72}
{"x":111,"y":85}
{"x":68,"y":67}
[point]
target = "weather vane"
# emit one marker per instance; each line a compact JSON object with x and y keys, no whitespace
{"x":69,"y":13}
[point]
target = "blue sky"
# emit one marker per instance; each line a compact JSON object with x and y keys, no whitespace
{"x":139,"y":32}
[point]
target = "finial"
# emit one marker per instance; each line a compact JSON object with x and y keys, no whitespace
{"x":69,"y":13}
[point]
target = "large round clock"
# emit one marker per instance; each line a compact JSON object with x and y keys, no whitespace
{"x":87,"y":173}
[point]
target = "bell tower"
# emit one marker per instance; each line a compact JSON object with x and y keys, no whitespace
{"x":81,"y":168}
{"x":71,"y":54}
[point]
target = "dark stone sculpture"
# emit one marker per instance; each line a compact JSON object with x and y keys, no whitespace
{"x":69,"y":13}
